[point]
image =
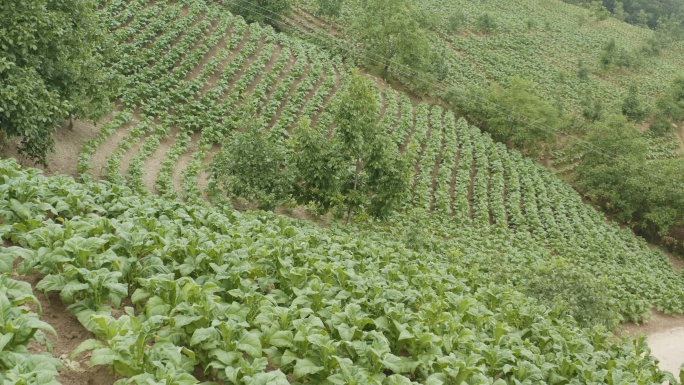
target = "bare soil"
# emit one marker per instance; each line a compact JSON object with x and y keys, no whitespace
{"x":184,"y":162}
{"x":665,"y":338}
{"x":109,"y":146}
{"x":68,"y":144}
{"x":153,"y":163}
{"x":70,"y":334}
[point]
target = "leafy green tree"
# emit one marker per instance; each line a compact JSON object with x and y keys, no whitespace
{"x":254,"y":167}
{"x":611,"y":169}
{"x":392,"y":36}
{"x":671,"y":104}
{"x":486,"y":23}
{"x":331,"y":8}
{"x":268,"y":12}
{"x":512,"y":115}
{"x":359,"y":166}
{"x":317,"y":167}
{"x":633,"y":105}
{"x":52,"y":56}
{"x":356,"y":131}
{"x":619,"y":11}
{"x":456,"y":21}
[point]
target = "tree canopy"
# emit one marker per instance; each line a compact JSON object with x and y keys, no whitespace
{"x":268,"y":12}
{"x":358,"y":167}
{"x":51,"y":67}
{"x":392,"y":36}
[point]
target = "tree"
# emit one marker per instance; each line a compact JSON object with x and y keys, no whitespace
{"x":359,"y":166}
{"x":253,"y":167}
{"x":486,"y":23}
{"x":612,"y":168}
{"x":51,"y":68}
{"x":671,"y":103}
{"x":261,"y":11}
{"x":317,"y":166}
{"x":357,"y":129}
{"x":512,"y":114}
{"x":331,"y":8}
{"x":633,"y":105}
{"x":392,"y":36}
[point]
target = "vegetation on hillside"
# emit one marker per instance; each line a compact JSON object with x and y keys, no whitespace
{"x":456,"y":174}
{"x":529,"y":75}
{"x":259,"y":299}
{"x":52,"y":67}
{"x":491,"y":271}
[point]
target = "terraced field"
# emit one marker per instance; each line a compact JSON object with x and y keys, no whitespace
{"x":192,"y":71}
{"x":541,"y":41}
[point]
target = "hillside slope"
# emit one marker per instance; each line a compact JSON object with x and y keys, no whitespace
{"x":193,"y":71}
{"x":549,"y":43}
{"x":256,"y":298}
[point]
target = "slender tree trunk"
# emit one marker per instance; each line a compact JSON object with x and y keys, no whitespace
{"x":356,"y":185}
{"x":71,"y":122}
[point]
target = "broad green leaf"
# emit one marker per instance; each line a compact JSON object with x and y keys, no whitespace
{"x":305,"y":367}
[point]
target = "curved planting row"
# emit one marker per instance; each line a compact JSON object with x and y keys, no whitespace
{"x":259,"y":299}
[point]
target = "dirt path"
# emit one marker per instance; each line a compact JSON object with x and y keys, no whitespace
{"x":70,"y":334}
{"x":665,"y":338}
{"x":68,"y":144}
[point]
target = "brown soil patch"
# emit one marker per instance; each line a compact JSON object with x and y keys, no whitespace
{"x":109,"y":146}
{"x":184,"y":162}
{"x":153,"y":164}
{"x":665,"y":338}
{"x":68,"y":143}
{"x":132,"y":152}
{"x":70,"y":334}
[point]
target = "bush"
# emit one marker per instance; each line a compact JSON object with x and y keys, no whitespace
{"x":253,"y":167}
{"x":486,"y":23}
{"x":633,"y":106}
{"x":561,"y":285}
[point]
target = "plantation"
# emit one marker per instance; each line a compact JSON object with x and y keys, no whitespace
{"x":459,"y":174}
{"x":491,"y":271}
{"x":257,"y":299}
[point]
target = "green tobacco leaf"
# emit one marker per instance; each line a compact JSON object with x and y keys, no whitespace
{"x":282,"y":339}
{"x":305,"y":367}
{"x":250,"y":343}
{"x":399,"y":364}
{"x":271,"y":378}
{"x":397,"y":379}
{"x":139,"y":295}
{"x":204,"y":334}
{"x":104,"y":356}
{"x":4,"y":340}
{"x":89,"y":344}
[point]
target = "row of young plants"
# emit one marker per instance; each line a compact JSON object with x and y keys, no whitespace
{"x":21,"y":330}
{"x":255,"y":298}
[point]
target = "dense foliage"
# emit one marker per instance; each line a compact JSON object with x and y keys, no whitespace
{"x":253,"y":167}
{"x":644,"y":13}
{"x":511,"y":114}
{"x":392,"y":38}
{"x":19,"y":327}
{"x":615,"y":171}
{"x":268,"y":12}
{"x":259,"y":299}
{"x":52,"y":56}
{"x":457,"y":175}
